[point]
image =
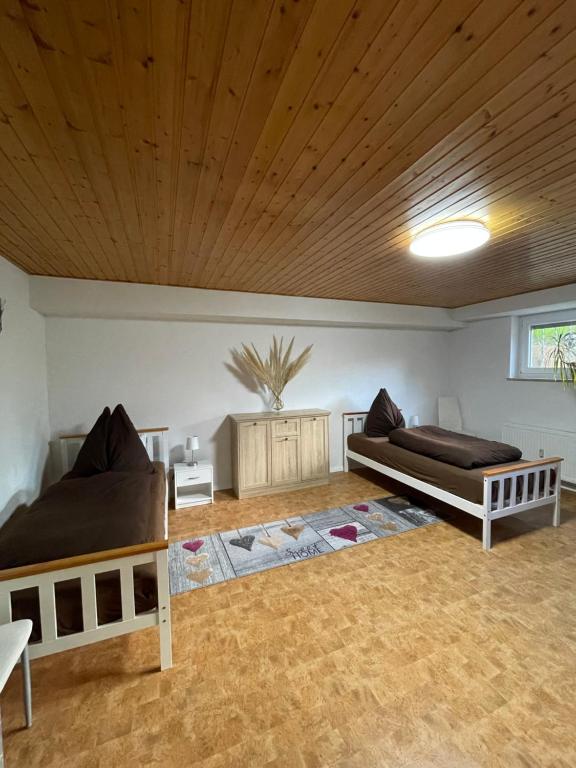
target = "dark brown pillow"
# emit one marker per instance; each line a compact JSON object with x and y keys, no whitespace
{"x":126,"y":453}
{"x":93,"y":455}
{"x":383,"y":417}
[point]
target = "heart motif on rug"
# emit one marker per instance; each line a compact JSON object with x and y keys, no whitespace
{"x":193,"y":546}
{"x":388,"y":526}
{"x":293,"y":530}
{"x":348,"y":532}
{"x":361,"y":507}
{"x":199,"y":576}
{"x":375,"y":516}
{"x":197,"y":559}
{"x":270,"y":541}
{"x":244,"y":542}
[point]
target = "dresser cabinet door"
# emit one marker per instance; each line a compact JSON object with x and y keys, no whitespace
{"x":285,"y":460}
{"x":314,"y":437}
{"x":254,"y":455}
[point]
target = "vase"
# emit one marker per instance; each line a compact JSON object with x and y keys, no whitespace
{"x":278,"y":403}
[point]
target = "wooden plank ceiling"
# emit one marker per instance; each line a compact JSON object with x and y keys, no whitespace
{"x":289,"y":146}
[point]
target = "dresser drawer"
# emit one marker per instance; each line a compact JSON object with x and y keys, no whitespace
{"x":285,"y":427}
{"x":193,"y":475}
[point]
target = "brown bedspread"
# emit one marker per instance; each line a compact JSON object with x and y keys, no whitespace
{"x":466,"y":483}
{"x":454,"y":448}
{"x":82,"y":516}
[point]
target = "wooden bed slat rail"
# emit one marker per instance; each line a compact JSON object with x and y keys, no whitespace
{"x":5,"y":608}
{"x":500,"y":494}
{"x":89,"y":605}
{"x":524,"y":493}
{"x":47,"y":611}
{"x":521,"y":466}
{"x":127,"y":592}
{"x":513,"y":490}
{"x":72,"y":562}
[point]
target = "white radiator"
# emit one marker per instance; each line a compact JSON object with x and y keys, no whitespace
{"x":539,"y":442}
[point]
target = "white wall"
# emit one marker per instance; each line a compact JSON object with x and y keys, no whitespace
{"x":479,"y":366}
{"x":175,"y":374}
{"x":23,"y":394}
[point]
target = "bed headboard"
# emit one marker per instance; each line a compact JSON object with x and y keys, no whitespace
{"x":154,"y":440}
{"x":352,"y":422}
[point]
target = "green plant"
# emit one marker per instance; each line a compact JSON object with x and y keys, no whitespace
{"x":276,"y":370}
{"x":562,"y":357}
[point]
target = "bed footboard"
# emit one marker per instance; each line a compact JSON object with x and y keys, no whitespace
{"x":45,"y":576}
{"x":518,"y":488}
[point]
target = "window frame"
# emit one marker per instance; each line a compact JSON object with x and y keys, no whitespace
{"x":527,"y":322}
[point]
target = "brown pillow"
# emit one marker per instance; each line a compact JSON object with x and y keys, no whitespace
{"x":126,"y":453}
{"x":383,"y":417}
{"x":93,"y":455}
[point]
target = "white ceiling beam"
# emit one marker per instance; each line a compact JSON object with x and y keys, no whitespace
{"x":548,"y":300}
{"x":65,"y":297}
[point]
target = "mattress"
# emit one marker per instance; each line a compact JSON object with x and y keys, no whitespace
{"x":466,"y":483}
{"x":83,"y":516}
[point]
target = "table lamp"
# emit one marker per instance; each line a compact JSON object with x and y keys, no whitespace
{"x":192,"y":444}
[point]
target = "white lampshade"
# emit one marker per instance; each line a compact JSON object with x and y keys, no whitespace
{"x":192,"y":443}
{"x":415,"y":421}
{"x":450,"y":238}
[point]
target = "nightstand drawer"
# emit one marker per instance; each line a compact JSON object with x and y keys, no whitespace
{"x":285,"y":427}
{"x":193,"y":475}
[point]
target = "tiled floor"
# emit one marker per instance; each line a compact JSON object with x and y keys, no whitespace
{"x":420,"y":650}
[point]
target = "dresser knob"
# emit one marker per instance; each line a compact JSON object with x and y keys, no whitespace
{"x":255,"y":424}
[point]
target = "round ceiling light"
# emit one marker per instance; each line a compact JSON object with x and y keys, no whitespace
{"x":450,"y":238}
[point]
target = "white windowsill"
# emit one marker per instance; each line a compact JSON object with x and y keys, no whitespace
{"x":534,"y":378}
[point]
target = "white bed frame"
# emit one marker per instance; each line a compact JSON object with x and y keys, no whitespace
{"x":44,"y":577}
{"x":545,"y":472}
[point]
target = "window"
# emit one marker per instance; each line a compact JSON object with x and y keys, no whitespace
{"x":539,"y":336}
{"x":544,"y":339}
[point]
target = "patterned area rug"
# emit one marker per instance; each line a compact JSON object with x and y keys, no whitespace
{"x":222,"y":556}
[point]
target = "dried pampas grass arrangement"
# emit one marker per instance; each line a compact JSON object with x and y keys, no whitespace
{"x":275,"y":371}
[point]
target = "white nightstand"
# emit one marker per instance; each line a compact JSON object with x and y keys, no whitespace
{"x":193,"y":485}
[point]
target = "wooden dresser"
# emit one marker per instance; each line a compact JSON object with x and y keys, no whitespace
{"x":279,"y":451}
